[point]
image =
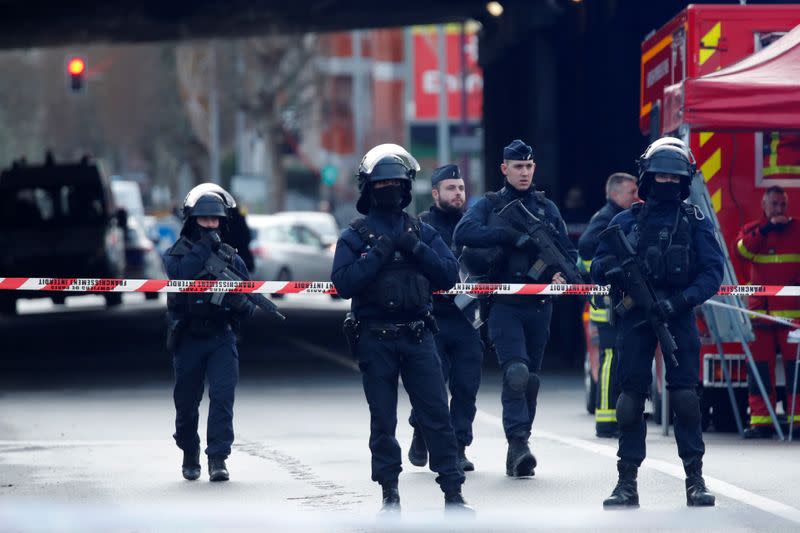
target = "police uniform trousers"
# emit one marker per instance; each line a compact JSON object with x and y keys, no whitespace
{"x":382,"y":362}
{"x":771,"y":339}
{"x":197,"y":358}
{"x":519,"y":327}
{"x":636,"y":344}
{"x":461,"y":354}
{"x":605,"y":412}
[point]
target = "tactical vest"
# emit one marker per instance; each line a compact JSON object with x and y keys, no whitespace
{"x":513,"y":264}
{"x":399,"y":286}
{"x":665,"y":249}
{"x":192,"y":305}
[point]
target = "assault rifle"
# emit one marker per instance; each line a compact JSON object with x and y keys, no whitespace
{"x":638,"y":292}
{"x":218,"y":267}
{"x":550,"y":253}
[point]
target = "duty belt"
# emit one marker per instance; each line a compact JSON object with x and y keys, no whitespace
{"x":393,"y":331}
{"x":207,"y":327}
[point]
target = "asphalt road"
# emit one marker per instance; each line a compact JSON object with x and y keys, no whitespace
{"x":86,"y":419}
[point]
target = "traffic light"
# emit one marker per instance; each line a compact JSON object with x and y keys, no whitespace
{"x":76,"y":70}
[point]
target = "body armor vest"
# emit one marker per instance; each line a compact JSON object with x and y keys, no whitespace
{"x":399,"y":286}
{"x":191,"y":306}
{"x":513,"y":264}
{"x":665,"y":247}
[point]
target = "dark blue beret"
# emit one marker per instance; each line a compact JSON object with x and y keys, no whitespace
{"x":447,"y":172}
{"x":518,"y":151}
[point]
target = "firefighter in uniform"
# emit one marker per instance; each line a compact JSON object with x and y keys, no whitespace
{"x":458,"y":342}
{"x":771,"y":246}
{"x":620,"y":194}
{"x":202,"y":335}
{"x":389,"y":263}
{"x":519,"y":326}
{"x":678,"y":249}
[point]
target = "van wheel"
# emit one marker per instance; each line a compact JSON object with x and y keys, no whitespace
{"x":283,"y":275}
{"x":722,"y":417}
{"x":113,"y":299}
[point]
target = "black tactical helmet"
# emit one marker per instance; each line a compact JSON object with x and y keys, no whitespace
{"x":385,"y":162}
{"x":668,"y":155}
{"x":207,"y":200}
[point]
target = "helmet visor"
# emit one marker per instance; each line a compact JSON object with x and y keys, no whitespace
{"x":208,"y":188}
{"x":381,"y":151}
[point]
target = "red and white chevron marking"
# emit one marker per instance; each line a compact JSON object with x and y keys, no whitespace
{"x":326,"y":287}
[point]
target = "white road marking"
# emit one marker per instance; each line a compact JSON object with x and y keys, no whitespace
{"x":782,"y":510}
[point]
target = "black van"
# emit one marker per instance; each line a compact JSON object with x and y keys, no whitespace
{"x":58,"y":220}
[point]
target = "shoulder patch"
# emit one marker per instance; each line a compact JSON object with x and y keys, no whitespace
{"x":540,"y":195}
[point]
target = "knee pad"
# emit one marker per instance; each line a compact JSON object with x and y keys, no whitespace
{"x":517,"y":376}
{"x":533,"y":386}
{"x":685,"y":404}
{"x":630,"y":410}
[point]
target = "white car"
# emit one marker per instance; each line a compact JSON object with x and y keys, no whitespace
{"x":288,"y":249}
{"x":323,"y":224}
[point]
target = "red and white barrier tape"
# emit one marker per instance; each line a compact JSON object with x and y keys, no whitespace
{"x":326,"y":287}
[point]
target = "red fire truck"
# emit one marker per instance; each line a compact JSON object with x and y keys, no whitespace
{"x":738,"y":159}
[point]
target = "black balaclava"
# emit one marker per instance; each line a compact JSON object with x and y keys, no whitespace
{"x":389,"y":198}
{"x":665,"y":192}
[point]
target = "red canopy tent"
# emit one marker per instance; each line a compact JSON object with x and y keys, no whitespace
{"x":759,"y":93}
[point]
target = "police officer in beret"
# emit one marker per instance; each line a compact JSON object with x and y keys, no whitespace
{"x":678,"y":247}
{"x":201,"y":337}
{"x":389,"y":263}
{"x":458,"y":342}
{"x":519,"y":326}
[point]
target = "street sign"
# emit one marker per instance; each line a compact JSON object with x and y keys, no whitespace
{"x":329,"y":173}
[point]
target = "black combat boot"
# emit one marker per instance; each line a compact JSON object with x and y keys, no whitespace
{"x":217,"y":471}
{"x":625,"y":494}
{"x":191,"y":465}
{"x":418,"y":452}
{"x":519,"y":460}
{"x":466,"y":464}
{"x":454,"y":501}
{"x":391,"y":498}
{"x":697,"y":494}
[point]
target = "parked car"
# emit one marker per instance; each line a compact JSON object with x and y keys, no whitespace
{"x":323,"y":224}
{"x":58,"y":220}
{"x":142,"y":260}
{"x":285,"y":249}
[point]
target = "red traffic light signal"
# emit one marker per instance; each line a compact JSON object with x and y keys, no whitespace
{"x":76,"y":70}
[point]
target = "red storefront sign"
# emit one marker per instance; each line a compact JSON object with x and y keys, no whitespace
{"x":427,"y":82}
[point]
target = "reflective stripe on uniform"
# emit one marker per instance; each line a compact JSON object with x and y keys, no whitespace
{"x":766,"y":258}
{"x":605,"y":379}
{"x":605,"y":415}
{"x":599,"y":315}
{"x":783,"y":313}
{"x":756,"y":420}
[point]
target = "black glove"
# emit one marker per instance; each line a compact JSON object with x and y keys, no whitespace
{"x":211,"y":238}
{"x":384,"y":247}
{"x":670,"y":307}
{"x":513,"y":236}
{"x":769,"y":226}
{"x":615,"y":277}
{"x":524,"y":242}
{"x":236,"y":300}
{"x":409,"y":243}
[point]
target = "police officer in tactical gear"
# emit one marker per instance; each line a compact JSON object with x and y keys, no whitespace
{"x":458,"y":342}
{"x":389,"y":263}
{"x":201,"y":337}
{"x":621,"y":191}
{"x":518,"y":325}
{"x":678,"y":251}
